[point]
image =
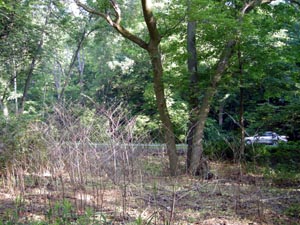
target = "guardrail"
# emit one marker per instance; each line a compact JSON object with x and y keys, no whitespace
{"x":145,"y":147}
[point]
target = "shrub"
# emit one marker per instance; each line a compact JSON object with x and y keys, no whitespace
{"x":20,"y":142}
{"x":281,"y":163}
{"x":218,"y":150}
{"x":287,"y":154}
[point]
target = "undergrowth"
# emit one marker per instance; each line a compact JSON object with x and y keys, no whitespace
{"x":279,"y":163}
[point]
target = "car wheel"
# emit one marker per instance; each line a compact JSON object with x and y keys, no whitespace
{"x":248,"y":142}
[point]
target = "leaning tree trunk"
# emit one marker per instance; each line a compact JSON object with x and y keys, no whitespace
{"x":34,"y":61}
{"x":197,"y":145}
{"x":68,"y":74}
{"x":198,"y":115}
{"x":195,"y":152}
{"x":162,"y":107}
{"x":29,"y":76}
{"x":81,"y":63}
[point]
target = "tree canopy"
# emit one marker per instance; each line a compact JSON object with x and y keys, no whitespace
{"x":93,"y":53}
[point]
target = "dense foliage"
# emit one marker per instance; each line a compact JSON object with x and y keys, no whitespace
{"x":95,"y":95}
{"x":52,"y":51}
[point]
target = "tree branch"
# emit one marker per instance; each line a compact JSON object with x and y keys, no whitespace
{"x":150,"y":21}
{"x":93,"y":11}
{"x":115,"y":23}
{"x":252,"y":4}
{"x":117,"y":11}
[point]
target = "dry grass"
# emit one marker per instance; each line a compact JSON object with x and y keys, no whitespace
{"x":231,"y":198}
{"x":62,"y":177}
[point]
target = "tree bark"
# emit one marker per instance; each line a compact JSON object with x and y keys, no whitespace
{"x":220,"y":114}
{"x":3,"y":105}
{"x":58,"y":72}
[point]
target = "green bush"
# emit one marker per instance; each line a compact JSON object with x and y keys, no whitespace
{"x":258,"y":153}
{"x":281,"y":163}
{"x":218,"y":144}
{"x":217,"y":150}
{"x":19,"y":139}
{"x":287,"y":153}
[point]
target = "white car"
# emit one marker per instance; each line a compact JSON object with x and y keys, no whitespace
{"x":269,"y":138}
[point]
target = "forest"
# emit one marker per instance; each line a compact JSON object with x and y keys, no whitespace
{"x":149,"y":112}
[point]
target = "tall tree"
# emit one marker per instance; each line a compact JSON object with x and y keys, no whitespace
{"x":15,"y":29}
{"x":75,"y":56}
{"x":195,"y":156}
{"x":153,"y":49}
{"x":194,"y":82}
{"x":36,"y":55}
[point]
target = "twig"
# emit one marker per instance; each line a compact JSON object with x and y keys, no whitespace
{"x":173,"y":206}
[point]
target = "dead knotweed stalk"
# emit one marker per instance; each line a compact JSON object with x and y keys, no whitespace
{"x":172,"y":211}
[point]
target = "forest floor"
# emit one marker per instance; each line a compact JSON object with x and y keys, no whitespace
{"x":233,"y":196}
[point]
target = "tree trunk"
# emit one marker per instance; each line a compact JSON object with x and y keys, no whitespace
{"x":81,"y":62}
{"x":155,"y":55}
{"x":30,"y":74}
{"x":195,"y":162}
{"x":84,"y":34}
{"x":3,"y":101}
{"x":3,"y":104}
{"x":194,"y":89}
{"x":162,"y":108}
{"x":242,"y":128}
{"x":15,"y":86}
{"x":58,"y":72}
{"x":220,"y":114}
{"x":33,"y":61}
{"x":197,"y":145}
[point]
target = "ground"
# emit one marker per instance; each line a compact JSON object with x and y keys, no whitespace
{"x":149,"y":196}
